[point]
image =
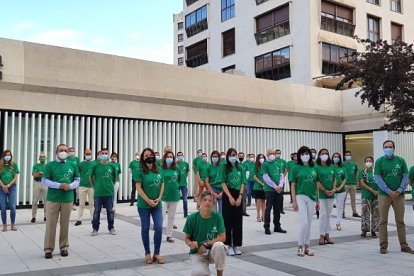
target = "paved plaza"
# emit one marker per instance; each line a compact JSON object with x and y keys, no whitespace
{"x":21,"y":252}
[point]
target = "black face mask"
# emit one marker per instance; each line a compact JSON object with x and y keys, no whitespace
{"x":150,"y":160}
{"x":241,"y":159}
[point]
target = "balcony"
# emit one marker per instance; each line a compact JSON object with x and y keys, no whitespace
{"x":336,"y":26}
{"x":272,"y":33}
{"x":258,"y":2}
{"x":190,"y":2}
{"x":197,"y":60}
{"x":197,"y":28}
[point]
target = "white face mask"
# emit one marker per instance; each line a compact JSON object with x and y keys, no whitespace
{"x":63,"y":155}
{"x":368,"y":164}
{"x":71,"y":153}
{"x":305,"y":158}
{"x":324,"y":157}
{"x":272,"y":157}
{"x":88,"y":157}
{"x":261,"y":160}
{"x":251,"y":159}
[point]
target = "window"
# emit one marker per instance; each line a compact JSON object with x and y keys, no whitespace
{"x":229,"y":69}
{"x":190,"y":2}
{"x":396,"y":32}
{"x":396,"y":5}
{"x":180,"y":37}
{"x":375,"y":2}
{"x":258,"y":2}
{"x":180,"y":49}
{"x":332,"y":56}
{"x":180,"y":61}
{"x":272,"y":25}
{"x":197,"y":54}
{"x":373,"y":28}
{"x":337,"y":19}
{"x":227,"y":9}
{"x":180,"y":25}
{"x":229,"y":42}
{"x":274,"y":65}
{"x":196,"y":21}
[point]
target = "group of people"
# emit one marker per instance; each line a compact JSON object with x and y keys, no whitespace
{"x":225,"y":184}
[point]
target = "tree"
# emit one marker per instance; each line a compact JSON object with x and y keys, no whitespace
{"x":385,"y":73}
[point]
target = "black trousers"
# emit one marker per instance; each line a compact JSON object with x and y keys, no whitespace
{"x":133,"y":191}
{"x":233,"y":220}
{"x":273,"y":200}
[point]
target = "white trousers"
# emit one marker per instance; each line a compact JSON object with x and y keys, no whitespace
{"x":306,"y":208}
{"x":326,"y":206}
{"x":217,"y":256}
{"x":84,"y":192}
{"x":116,"y":188}
{"x":340,"y":204}
{"x":169,"y":208}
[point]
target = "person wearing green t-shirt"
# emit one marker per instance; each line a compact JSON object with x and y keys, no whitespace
{"x":391,"y":176}
{"x":223,"y":160}
{"x":351,"y":169}
{"x":133,"y":166}
{"x":326,"y":189}
{"x":171,"y":196}
{"x":240,"y":156}
{"x":103,"y":178}
{"x":290,"y":164}
{"x":9,"y":172}
{"x":411,"y":182}
{"x":249,"y":166}
{"x":184,"y":169}
{"x":259,"y":183}
{"x":196,"y":161}
{"x":115,"y":162}
{"x":85,"y":189}
{"x":150,"y":189}
{"x":233,"y":178}
{"x":74,"y":160}
{"x":61,"y":178}
{"x":369,"y":198}
{"x":340,"y":191}
{"x":204,"y":235}
{"x":213,"y":182}
{"x":39,"y":191}
{"x":304,"y":196}
{"x":283,"y":170}
{"x":203,"y":168}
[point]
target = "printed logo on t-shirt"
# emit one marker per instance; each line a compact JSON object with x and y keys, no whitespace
{"x":68,"y":175}
{"x":312,"y":176}
{"x":108,"y":173}
{"x":396,"y":170}
{"x":235,"y":178}
{"x":156,"y":182}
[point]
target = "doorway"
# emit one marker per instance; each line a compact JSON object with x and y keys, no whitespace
{"x":360,"y":145}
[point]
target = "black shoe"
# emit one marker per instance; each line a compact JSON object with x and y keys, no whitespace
{"x":282,"y":212}
{"x":249,"y":204}
{"x":246,"y":214}
{"x":185,"y":215}
{"x":373,"y":234}
{"x":343,"y":215}
{"x":64,"y":253}
{"x":78,"y":223}
{"x":267,"y":232}
{"x":44,"y":219}
{"x":363,"y":234}
{"x":334,"y":205}
{"x":356,"y":215}
{"x":131,"y":204}
{"x":280,"y":230}
{"x":48,"y":255}
{"x":33,"y":220}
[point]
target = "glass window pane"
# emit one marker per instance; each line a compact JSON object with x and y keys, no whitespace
{"x":326,"y":52}
{"x":334,"y":53}
{"x":267,"y":61}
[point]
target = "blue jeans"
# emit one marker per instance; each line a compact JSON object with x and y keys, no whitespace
{"x":184,"y":192}
{"x":145,"y":215}
{"x":249,"y":191}
{"x":11,"y":197}
{"x":218,"y":206}
{"x":100,"y":201}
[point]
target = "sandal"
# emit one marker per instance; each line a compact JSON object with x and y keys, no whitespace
{"x":301,"y":253}
{"x":170,"y":240}
{"x":258,"y":219}
{"x":158,"y":259}
{"x":13,"y":228}
{"x":148,"y":259}
{"x":308,"y":252}
{"x":322,"y":240}
{"x":328,"y":240}
{"x":4,"y":228}
{"x":338,"y":227}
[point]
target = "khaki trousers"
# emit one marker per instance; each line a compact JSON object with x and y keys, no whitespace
{"x":39,"y":192}
{"x":53,"y":211}
{"x":194,"y":191}
{"x":351,"y":190}
{"x":384,"y":203}
{"x":217,"y":256}
{"x":84,"y":192}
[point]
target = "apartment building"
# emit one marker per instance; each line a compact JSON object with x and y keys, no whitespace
{"x":299,"y":41}
{"x":178,"y":20}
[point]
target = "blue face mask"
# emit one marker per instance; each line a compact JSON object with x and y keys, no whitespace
{"x":169,"y":161}
{"x":104,"y":157}
{"x":214,"y":160}
{"x":233,"y":159}
{"x":348,"y":158}
{"x":180,"y":158}
{"x":7,"y":158}
{"x":336,"y":160}
{"x":277,"y":156}
{"x":389,"y":152}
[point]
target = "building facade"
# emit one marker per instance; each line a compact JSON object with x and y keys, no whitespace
{"x":298,"y":41}
{"x":178,"y":20}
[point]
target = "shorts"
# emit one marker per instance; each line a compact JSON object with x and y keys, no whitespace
{"x":257,"y":194}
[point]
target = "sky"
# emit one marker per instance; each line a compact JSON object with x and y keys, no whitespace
{"x":132,"y":28}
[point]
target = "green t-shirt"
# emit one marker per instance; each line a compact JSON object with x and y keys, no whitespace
{"x":223,"y":162}
{"x":184,"y":169}
{"x":104,"y":176}
{"x":259,"y":174}
{"x":290,"y":165}
{"x":326,"y":176}
{"x":391,"y":171}
{"x":196,"y":162}
{"x":273,"y":170}
{"x":73,"y":160}
{"x":340,"y":175}
{"x":411,"y":176}
{"x":133,"y":165}
{"x":203,"y":169}
{"x":351,"y":169}
{"x":250,"y":167}
{"x":39,"y":167}
{"x":368,"y":176}
{"x":151,"y":185}
{"x":282,"y":165}
{"x":170,"y":179}
{"x":60,"y":172}
{"x":214,"y":177}
{"x":235,"y":178}
{"x":117,"y":169}
{"x":85,"y":170}
{"x":305,"y":178}
{"x":203,"y":229}
{"x":8,"y":174}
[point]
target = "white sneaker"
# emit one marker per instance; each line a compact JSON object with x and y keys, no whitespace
{"x":112,"y":231}
{"x":230,"y":251}
{"x":237,"y":250}
{"x":94,"y":233}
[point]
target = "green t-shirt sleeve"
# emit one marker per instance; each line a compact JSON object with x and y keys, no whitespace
{"x":47,"y":172}
{"x":76,"y":171}
{"x":138,"y":176}
{"x":411,"y":173}
{"x":187,"y":169}
{"x":130,"y":165}
{"x":404,"y":167}
{"x":292,"y":174}
{"x":119,"y":169}
{"x":360,"y":175}
{"x":243,"y":175}
{"x":16,"y":168}
{"x":35,"y":169}
{"x":377,"y":169}
{"x":188,"y":226}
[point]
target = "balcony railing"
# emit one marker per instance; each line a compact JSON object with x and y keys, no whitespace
{"x":336,"y":26}
{"x":258,"y":2}
{"x":197,"y":28}
{"x":272,"y":33}
{"x":197,"y":60}
{"x":190,"y":2}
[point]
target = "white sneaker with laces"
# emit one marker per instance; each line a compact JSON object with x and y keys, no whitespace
{"x":112,"y":231}
{"x":230,"y":251}
{"x":94,"y":233}
{"x":237,"y":250}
